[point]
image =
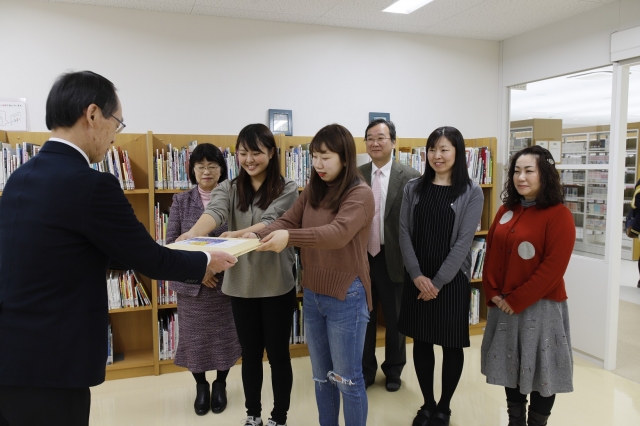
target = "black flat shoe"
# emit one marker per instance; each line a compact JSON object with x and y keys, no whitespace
{"x":422,"y":418}
{"x":440,"y":419}
{"x":203,"y":398}
{"x":218,"y":397}
{"x":393,"y":384}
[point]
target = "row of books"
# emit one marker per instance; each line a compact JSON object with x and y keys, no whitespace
{"x":297,"y":163}
{"x":232,"y":163}
{"x":116,"y":162}
{"x":168,"y":333}
{"x":171,"y":168}
{"x":12,"y":158}
{"x":474,"y":307}
{"x":479,"y":165}
{"x":478,"y":250}
{"x":166,"y":296}
{"x":414,"y":157}
{"x":161,"y":220}
{"x":125,"y":290}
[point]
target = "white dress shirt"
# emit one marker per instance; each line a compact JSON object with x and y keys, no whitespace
{"x":73,"y":146}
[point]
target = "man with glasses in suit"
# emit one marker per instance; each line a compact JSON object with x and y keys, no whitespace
{"x":62,"y":224}
{"x":387,"y":179}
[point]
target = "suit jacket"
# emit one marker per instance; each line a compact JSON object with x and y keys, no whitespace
{"x":61,"y":223}
{"x":398,"y":178}
{"x":185,"y":211}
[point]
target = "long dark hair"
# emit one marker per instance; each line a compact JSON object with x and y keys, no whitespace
{"x":338,"y":139}
{"x":550,"y":192}
{"x":459,"y":174}
{"x":258,"y":137}
{"x":209,"y":152}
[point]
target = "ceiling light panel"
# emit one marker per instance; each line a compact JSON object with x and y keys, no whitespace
{"x":406,"y":6}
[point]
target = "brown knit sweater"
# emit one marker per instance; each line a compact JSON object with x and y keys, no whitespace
{"x":333,"y":247}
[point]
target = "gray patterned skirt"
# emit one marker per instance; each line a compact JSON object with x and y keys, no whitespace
{"x":208,"y":338}
{"x":531,"y":349}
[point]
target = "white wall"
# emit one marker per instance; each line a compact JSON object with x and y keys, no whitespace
{"x":198,"y":74}
{"x":575,"y":44}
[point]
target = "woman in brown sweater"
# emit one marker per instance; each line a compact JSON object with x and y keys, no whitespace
{"x":330,"y":222}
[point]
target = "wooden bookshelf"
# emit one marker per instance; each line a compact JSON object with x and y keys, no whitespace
{"x":135,"y":330}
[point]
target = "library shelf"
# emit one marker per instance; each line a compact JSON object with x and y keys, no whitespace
{"x":125,"y":310}
{"x":135,"y":334}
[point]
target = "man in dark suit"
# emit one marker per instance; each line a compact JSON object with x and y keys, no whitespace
{"x":387,"y":179}
{"x":62,"y":224}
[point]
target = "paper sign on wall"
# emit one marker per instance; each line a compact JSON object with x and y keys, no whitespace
{"x":13,"y":114}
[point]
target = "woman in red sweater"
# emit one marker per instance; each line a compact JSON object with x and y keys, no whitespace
{"x":526,"y":345}
{"x":330,"y":222}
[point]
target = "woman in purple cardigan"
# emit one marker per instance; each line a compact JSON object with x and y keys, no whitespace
{"x":208,"y":339}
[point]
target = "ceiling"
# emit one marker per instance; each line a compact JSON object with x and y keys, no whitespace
{"x":579,"y":102}
{"x":477,"y":19}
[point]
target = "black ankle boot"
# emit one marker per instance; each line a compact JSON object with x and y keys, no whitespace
{"x":517,"y":413}
{"x":203,"y":399}
{"x":422,"y":418}
{"x":536,"y":419}
{"x":218,"y":397}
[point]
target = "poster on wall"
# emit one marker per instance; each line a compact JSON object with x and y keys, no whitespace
{"x":13,"y":114}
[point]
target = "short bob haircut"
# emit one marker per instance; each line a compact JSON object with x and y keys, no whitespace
{"x":550,"y":193}
{"x":209,"y":152}
{"x":258,"y":137}
{"x":389,"y":124}
{"x":73,"y":93}
{"x":459,"y":174}
{"x":334,"y":138}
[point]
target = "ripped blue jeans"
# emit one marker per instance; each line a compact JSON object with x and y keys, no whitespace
{"x":335,"y":333}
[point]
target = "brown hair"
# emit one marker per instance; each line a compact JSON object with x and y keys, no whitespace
{"x":338,"y":139}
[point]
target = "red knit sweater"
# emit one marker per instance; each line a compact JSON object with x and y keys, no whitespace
{"x":528,"y":251}
{"x":333,"y":246}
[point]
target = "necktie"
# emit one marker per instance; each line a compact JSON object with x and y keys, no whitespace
{"x":374,"y":237}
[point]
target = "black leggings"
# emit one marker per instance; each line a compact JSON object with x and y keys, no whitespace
{"x":539,"y":404}
{"x":424,"y":361}
{"x":265,"y":323}
{"x":201,"y":378}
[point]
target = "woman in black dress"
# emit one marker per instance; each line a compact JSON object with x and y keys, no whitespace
{"x":438,"y":219}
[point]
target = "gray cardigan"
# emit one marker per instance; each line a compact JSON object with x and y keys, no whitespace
{"x":257,"y":274}
{"x":468,"y":210}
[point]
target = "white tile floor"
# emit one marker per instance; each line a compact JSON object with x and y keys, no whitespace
{"x":600,"y":398}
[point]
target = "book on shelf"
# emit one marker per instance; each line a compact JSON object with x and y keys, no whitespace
{"x":297,"y":328}
{"x":109,"y":344}
{"x":125,"y":290}
{"x":171,"y":168}
{"x":297,"y":162}
{"x":478,"y":250}
{"x":116,"y":161}
{"x":168,"y":333}
{"x":415,"y":158}
{"x":232,"y":162}
{"x":474,"y":307}
{"x":233,"y":246}
{"x":166,"y":296}
{"x":479,"y":165}
{"x":12,"y":158}
{"x":161,"y":220}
